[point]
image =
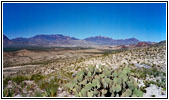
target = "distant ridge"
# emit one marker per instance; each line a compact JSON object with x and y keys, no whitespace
{"x":142,"y":44}
{"x":6,"y":40}
{"x":109,"y":41}
{"x":161,"y":43}
{"x":61,"y":40}
{"x":48,"y":40}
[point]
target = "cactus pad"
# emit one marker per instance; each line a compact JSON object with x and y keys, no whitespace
{"x":103,"y":81}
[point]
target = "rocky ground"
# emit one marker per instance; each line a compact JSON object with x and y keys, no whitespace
{"x":148,"y":65}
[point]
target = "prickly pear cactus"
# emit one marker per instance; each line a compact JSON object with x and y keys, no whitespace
{"x":104,"y":82}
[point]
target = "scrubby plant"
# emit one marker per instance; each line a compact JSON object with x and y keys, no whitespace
{"x":104,"y":82}
{"x":143,"y":73}
{"x":50,"y":87}
{"x":36,"y":77}
{"x":5,"y":81}
{"x":143,"y":89}
{"x":8,"y":92}
{"x":19,"y":79}
{"x":153,"y":95}
{"x":38,"y":94}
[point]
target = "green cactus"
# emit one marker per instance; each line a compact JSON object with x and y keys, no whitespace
{"x":115,"y":74}
{"x":80,"y":78}
{"x":112,"y":89}
{"x":115,"y":80}
{"x":82,"y":72}
{"x":94,"y":82}
{"x":119,"y":81}
{"x":83,"y":92}
{"x":134,"y":95}
{"x":90,"y":94}
{"x":103,"y":82}
{"x":88,"y":78}
{"x":98,"y":85}
{"x":117,"y":88}
{"x":80,"y":94}
{"x":89,"y":74}
{"x":77,"y":88}
{"x":126,"y":70}
{"x":77,"y":94}
{"x":83,"y":82}
{"x":123,"y":76}
{"x":88,"y":86}
{"x":131,"y":79}
{"x":100,"y":70}
{"x":131,"y":85}
{"x":127,"y":93}
{"x":137,"y":92}
{"x":70,"y":85}
{"x":102,"y":75}
{"x":95,"y":92}
{"x":107,"y":72}
{"x":91,"y":69}
{"x":97,"y":71}
{"x":97,"y":77}
{"x":108,"y":80}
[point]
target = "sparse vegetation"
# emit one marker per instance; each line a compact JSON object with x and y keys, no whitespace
{"x":55,"y":69}
{"x":36,"y":77}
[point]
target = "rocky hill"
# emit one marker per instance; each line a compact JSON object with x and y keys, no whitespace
{"x":6,"y":40}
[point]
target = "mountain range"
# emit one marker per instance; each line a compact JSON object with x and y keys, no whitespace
{"x":61,"y":40}
{"x":109,"y":41}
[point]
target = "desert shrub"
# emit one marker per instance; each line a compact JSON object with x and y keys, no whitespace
{"x":5,"y":81}
{"x":38,"y":94}
{"x":50,"y":87}
{"x":143,"y":72}
{"x":8,"y":92}
{"x":104,"y":82}
{"x":151,"y":72}
{"x":19,"y":79}
{"x":36,"y":77}
{"x":153,"y":95}
{"x":143,"y":89}
{"x":159,"y":84}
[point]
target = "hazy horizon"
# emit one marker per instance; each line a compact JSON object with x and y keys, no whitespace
{"x":79,"y":38}
{"x":143,"y":21}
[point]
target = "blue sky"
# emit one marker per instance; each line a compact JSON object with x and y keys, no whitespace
{"x":144,"y":21}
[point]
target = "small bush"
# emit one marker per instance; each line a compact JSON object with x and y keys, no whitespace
{"x":5,"y":81}
{"x":19,"y":79}
{"x":153,"y":95}
{"x":38,"y":94}
{"x":8,"y":92}
{"x":143,"y":89}
{"x":36,"y":77}
{"x":50,"y":87}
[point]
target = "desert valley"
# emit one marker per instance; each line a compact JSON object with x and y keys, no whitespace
{"x":63,"y":66}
